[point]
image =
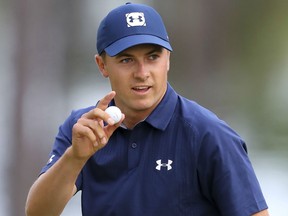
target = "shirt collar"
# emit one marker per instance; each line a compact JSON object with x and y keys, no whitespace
{"x":162,"y":114}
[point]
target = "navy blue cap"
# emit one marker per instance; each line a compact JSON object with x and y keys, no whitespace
{"x":130,"y":25}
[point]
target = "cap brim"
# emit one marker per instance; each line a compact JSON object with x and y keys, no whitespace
{"x":127,"y":42}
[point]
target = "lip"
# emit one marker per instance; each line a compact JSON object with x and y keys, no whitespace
{"x":141,"y":89}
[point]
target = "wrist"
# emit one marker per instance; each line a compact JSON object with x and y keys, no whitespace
{"x":75,"y":160}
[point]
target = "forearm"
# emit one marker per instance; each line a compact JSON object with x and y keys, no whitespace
{"x":53,"y":189}
{"x":262,"y":213}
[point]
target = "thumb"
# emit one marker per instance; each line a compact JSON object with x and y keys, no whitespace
{"x":111,"y":128}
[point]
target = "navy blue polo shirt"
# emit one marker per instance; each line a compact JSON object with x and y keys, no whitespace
{"x":182,"y":160}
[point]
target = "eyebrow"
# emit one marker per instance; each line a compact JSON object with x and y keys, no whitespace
{"x":156,"y":49}
{"x":153,"y":50}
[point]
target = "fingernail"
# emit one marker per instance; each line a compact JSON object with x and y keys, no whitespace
{"x":103,"y":140}
{"x":110,"y":121}
{"x":95,"y":144}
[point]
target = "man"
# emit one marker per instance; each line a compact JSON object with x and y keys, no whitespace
{"x":167,"y":155}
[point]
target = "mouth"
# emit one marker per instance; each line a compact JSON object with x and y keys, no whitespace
{"x":141,"y":89}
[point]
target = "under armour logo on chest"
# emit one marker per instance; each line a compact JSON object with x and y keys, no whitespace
{"x":135,"y":19}
{"x":166,"y":165}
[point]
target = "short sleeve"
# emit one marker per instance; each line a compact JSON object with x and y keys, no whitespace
{"x":63,"y":140}
{"x":61,"y":143}
{"x":226,"y":175}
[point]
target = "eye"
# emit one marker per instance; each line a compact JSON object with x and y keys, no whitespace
{"x":126,"y":60}
{"x":153,"y":57}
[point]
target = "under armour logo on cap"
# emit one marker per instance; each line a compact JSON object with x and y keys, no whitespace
{"x":166,"y":165}
{"x":135,"y":19}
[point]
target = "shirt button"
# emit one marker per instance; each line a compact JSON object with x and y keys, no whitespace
{"x":134,"y":145}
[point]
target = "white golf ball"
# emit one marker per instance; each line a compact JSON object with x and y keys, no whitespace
{"x":115,"y":113}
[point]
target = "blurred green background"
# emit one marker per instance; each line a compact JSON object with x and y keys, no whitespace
{"x":229,"y":56}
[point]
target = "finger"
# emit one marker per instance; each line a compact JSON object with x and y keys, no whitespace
{"x":96,"y":128}
{"x":80,"y":132}
{"x":103,"y":103}
{"x":111,"y":128}
{"x":99,"y":114}
{"x":82,"y":135}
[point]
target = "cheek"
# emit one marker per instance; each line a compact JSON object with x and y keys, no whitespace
{"x":163,"y":73}
{"x":117,"y":80}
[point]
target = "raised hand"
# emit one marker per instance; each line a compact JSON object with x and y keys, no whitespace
{"x":89,"y":133}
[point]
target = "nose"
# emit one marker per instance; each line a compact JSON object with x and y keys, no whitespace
{"x":141,"y":71}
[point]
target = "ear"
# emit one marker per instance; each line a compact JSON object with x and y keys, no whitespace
{"x":101,"y":65}
{"x":168,"y":61}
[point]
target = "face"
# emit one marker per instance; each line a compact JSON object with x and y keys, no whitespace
{"x":138,"y":75}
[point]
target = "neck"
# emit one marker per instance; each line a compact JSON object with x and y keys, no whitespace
{"x":133,"y":118}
